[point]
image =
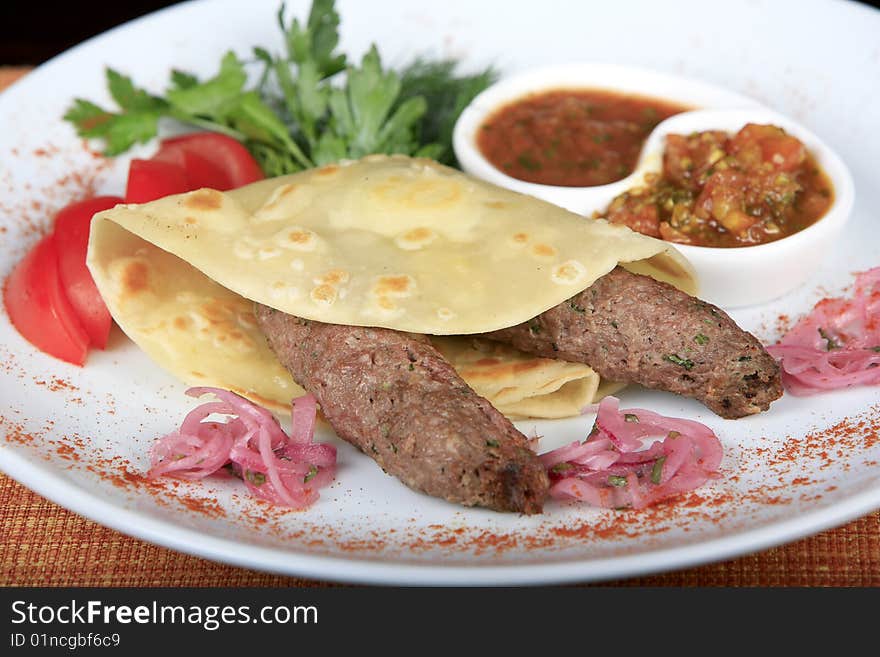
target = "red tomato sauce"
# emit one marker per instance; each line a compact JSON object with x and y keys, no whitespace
{"x":572,"y":137}
{"x":720,"y":190}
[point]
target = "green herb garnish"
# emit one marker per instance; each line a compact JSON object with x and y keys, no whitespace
{"x":313,"y":470}
{"x":686,"y":363}
{"x":526,"y":161}
{"x":256,"y":478}
{"x":831,"y":343}
{"x":701,"y":339}
{"x":631,"y":417}
{"x":309,"y":105}
{"x":657,"y":470}
{"x":617,"y":480}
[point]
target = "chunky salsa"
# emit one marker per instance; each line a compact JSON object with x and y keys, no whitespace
{"x":723,"y":190}
{"x":572,"y":137}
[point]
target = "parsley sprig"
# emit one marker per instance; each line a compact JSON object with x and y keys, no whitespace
{"x":308,"y":106}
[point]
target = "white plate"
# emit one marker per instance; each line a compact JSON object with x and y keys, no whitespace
{"x":80,"y":436}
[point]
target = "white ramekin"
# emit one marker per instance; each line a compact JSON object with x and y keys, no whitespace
{"x":728,"y":277}
{"x":749,"y":275}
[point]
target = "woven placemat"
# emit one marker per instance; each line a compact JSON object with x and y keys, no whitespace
{"x":43,"y":544}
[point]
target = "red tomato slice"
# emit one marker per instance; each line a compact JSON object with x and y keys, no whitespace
{"x":199,"y":171}
{"x":38,"y":308}
{"x":71,"y":241}
{"x":152,"y":179}
{"x":188,"y":162}
{"x":212,"y":159}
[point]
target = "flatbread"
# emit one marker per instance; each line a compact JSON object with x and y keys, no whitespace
{"x":385,"y":241}
{"x":207,"y":335}
{"x":520,"y":385}
{"x":191,"y":326}
{"x":396,"y":242}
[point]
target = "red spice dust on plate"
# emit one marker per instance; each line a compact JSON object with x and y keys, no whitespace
{"x":32,"y":217}
{"x":783,"y":485}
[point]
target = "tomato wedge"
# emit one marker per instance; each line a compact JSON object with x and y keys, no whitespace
{"x":198,"y":170}
{"x":188,"y":162}
{"x":38,"y":308}
{"x":72,"y":226}
{"x":211,"y":159}
{"x":51,"y":297}
{"x":149,"y":180}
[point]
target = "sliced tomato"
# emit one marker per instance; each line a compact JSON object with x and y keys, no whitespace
{"x":72,"y":226}
{"x":199,"y":171}
{"x":149,"y":180}
{"x":188,"y":162}
{"x":211,"y":160}
{"x":38,"y":308}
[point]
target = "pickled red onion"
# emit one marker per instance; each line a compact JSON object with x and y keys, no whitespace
{"x":610,"y":469}
{"x":837,"y":345}
{"x":282,"y":469}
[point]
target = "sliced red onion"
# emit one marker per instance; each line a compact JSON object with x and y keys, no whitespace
{"x":285,"y":470}
{"x":837,"y":345}
{"x":304,"y":413}
{"x":613,"y":468}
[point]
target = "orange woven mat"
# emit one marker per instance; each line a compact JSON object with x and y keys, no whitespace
{"x":43,"y":544}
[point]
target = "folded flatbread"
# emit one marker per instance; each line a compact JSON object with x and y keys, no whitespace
{"x":384,"y":241}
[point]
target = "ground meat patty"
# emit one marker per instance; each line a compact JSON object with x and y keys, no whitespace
{"x":633,"y":329}
{"x":394,"y":396}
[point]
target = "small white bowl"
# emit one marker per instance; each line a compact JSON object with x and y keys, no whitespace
{"x":748,"y":275}
{"x":728,"y":277}
{"x":642,"y":82}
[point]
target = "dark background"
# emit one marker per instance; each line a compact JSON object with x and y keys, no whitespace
{"x":33,"y":31}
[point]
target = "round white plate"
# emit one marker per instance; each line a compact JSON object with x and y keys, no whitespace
{"x":80,"y":436}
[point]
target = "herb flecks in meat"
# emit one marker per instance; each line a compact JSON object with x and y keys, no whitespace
{"x":686,"y":363}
